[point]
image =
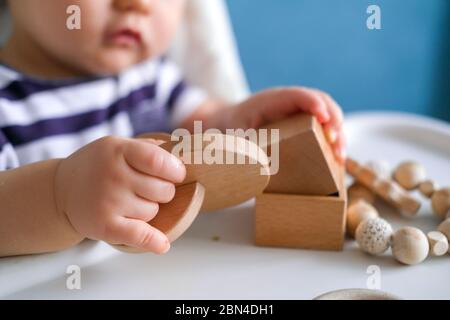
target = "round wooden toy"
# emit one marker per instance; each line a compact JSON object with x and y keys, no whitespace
{"x":221,"y":171}
{"x":357,"y":294}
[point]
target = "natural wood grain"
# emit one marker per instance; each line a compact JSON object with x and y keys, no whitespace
{"x":175,"y":217}
{"x":211,"y":185}
{"x":226,"y":184}
{"x":307,"y":165}
{"x":387,"y":189}
{"x":299,"y":221}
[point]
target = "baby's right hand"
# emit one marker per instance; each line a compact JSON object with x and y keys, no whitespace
{"x":111,"y":188}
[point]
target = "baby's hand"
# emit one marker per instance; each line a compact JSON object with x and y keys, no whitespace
{"x":111,"y":188}
{"x":276,"y":104}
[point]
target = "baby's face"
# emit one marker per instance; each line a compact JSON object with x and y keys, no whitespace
{"x":114,"y":34}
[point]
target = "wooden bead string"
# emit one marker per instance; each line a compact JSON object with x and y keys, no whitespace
{"x":375,"y":235}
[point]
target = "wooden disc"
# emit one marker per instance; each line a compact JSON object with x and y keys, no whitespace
{"x":226,"y":184}
{"x":175,"y":217}
{"x":221,"y":171}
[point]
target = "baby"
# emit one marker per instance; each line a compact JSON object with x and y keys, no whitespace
{"x":71,"y":102}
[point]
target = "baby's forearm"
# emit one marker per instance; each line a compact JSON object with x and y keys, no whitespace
{"x":213,"y":114}
{"x":29,"y":219}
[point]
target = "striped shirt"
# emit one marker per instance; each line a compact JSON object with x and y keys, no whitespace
{"x":44,"y":119}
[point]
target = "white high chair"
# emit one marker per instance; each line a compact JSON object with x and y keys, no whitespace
{"x":206,"y":51}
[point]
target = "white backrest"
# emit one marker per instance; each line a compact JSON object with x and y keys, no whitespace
{"x":206,"y":50}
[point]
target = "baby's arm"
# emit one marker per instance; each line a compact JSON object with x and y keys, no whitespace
{"x":29,"y":221}
{"x":107,"y":190}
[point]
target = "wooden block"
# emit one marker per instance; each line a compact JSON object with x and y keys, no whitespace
{"x":307,"y":164}
{"x":298,"y":221}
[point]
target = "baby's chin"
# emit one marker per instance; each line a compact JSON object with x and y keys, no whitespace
{"x":111,"y":63}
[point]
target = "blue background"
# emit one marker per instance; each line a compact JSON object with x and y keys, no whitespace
{"x":326,"y":44}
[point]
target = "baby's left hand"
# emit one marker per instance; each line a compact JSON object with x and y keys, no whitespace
{"x":275,"y":104}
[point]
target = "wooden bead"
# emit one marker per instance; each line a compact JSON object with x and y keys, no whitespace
{"x":358,"y":212}
{"x":410,"y":245}
{"x":438,"y":243}
{"x":427,"y":188}
{"x":410,"y":174}
{"x":444,"y":227}
{"x":440,"y":202}
{"x":357,"y":191}
{"x":373,"y":236}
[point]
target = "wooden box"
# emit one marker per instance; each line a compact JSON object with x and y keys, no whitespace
{"x":304,"y":205}
{"x":301,"y":221}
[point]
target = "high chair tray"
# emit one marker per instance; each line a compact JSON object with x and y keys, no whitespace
{"x":217,"y":258}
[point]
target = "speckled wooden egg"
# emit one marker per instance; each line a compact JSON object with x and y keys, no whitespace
{"x":359,"y":211}
{"x":373,"y":236}
{"x":409,"y":245}
{"x":410,"y":174}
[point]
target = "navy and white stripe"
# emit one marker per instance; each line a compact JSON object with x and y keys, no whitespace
{"x":42,"y":119}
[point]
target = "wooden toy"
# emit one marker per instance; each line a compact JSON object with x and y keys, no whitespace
{"x":380,"y":167}
{"x":175,"y":217}
{"x":304,"y":204}
{"x":373,"y":236}
{"x":410,"y":174}
{"x":440,"y":202}
{"x":359,"y":211}
{"x":438,"y":243}
{"x":357,"y":294}
{"x":357,"y":192}
{"x":427,"y":188}
{"x":306,"y":162}
{"x":387,"y":189}
{"x":209,"y":185}
{"x":444,"y":227}
{"x":409,"y":245}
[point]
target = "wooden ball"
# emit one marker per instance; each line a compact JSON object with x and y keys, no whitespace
{"x":358,"y":212}
{"x":410,"y":174}
{"x":440,"y":202}
{"x":373,"y":236}
{"x":444,"y":227}
{"x":410,"y":245}
{"x":357,"y":191}
{"x":438,"y":243}
{"x":427,"y":188}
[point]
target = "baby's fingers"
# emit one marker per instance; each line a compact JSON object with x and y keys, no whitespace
{"x":334,"y":110}
{"x":152,"y":160}
{"x":339,"y":148}
{"x":138,"y":234}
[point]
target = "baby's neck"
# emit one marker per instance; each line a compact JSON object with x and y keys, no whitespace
{"x":28,"y":58}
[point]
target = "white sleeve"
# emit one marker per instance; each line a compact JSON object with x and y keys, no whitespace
{"x":180,"y":98}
